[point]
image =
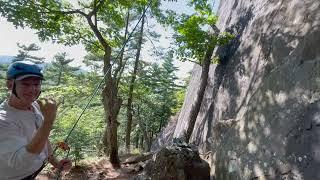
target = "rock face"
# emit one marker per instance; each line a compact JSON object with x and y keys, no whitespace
{"x":166,"y":135}
{"x":177,"y":163}
{"x":260,"y":117}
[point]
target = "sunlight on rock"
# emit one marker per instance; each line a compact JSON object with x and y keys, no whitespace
{"x":259,"y":172}
{"x":297,"y":174}
{"x":265,"y":164}
{"x":232,"y":154}
{"x":316,"y":95}
{"x":232,"y":166}
{"x":252,"y":148}
{"x":246,"y":171}
{"x":262,"y":120}
{"x":252,"y":125}
{"x":283,"y":167}
{"x":271,"y":172}
{"x":281,"y":98}
{"x":212,"y":165}
{"x":266,"y":131}
{"x":242,"y":133}
{"x":270,"y":97}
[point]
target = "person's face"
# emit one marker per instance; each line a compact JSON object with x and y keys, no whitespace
{"x":28,"y":89}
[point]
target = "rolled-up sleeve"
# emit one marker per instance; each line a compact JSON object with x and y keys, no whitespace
{"x":13,"y":147}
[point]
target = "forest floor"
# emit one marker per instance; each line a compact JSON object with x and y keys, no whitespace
{"x":98,"y":169}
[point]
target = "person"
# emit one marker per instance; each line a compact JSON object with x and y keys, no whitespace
{"x":25,"y":125}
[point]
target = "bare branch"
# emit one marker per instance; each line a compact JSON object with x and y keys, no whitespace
{"x":155,"y":48}
{"x":121,"y":72}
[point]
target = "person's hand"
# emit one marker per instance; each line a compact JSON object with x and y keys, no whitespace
{"x":64,"y":165}
{"x":48,"y":107}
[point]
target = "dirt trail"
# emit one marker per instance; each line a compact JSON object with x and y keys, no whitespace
{"x":102,"y":169}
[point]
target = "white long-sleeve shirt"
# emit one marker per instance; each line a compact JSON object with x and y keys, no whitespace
{"x":17,"y":127}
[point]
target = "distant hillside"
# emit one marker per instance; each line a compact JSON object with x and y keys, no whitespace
{"x":6,"y":59}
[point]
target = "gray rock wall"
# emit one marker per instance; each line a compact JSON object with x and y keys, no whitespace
{"x":165,"y":137}
{"x":260,"y":117}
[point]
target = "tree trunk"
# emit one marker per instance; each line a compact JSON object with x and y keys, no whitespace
{"x":121,"y":65}
{"x":105,"y":140}
{"x":137,"y":139}
{"x":131,"y":87}
{"x":59,"y":77}
{"x":112,"y":104}
{"x":144,"y":132}
{"x":203,"y":84}
{"x":161,"y":123}
{"x":141,"y":142}
{"x":111,"y":101}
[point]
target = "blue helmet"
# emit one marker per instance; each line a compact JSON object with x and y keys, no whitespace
{"x":23,"y":69}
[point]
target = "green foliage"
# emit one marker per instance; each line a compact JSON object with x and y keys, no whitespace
{"x":24,"y":53}
{"x":179,"y":96}
{"x":191,"y":31}
{"x":155,"y":98}
{"x":155,"y":94}
{"x":60,"y":68}
{"x":192,"y":38}
{"x":3,"y":86}
{"x":94,"y":61}
{"x":62,"y":22}
{"x":224,"y":38}
{"x":73,"y":97}
{"x":37,"y":15}
{"x":195,"y":33}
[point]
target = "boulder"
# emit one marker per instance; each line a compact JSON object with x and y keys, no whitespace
{"x":177,"y":163}
{"x":138,"y":158}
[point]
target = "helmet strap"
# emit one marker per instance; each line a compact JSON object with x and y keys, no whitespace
{"x":14,"y":89}
{"x":38,"y":95}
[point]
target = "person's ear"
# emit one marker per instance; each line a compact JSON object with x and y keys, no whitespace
{"x":10,"y":84}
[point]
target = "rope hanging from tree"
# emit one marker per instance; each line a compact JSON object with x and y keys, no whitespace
{"x":64,"y":145}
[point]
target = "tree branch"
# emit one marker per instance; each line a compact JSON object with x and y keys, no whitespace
{"x":74,"y":11}
{"x":154,"y":46}
{"x":125,"y":39}
{"x":121,"y":71}
{"x":96,"y":7}
{"x":98,"y":34}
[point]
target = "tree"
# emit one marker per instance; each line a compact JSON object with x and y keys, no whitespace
{"x":72,"y":95}
{"x":98,"y":24}
{"x":94,"y":60}
{"x":155,"y":99}
{"x":168,"y":88}
{"x":89,"y":24}
{"x":59,"y":67}
{"x":197,"y":44}
{"x":131,"y":85}
{"x":24,"y":53}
